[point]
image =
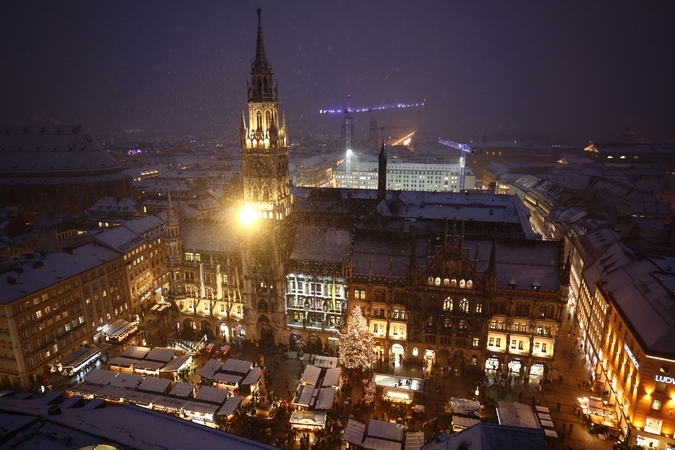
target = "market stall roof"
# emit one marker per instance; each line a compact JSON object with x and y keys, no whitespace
{"x":230,"y":406}
{"x":160,"y":354}
{"x":121,"y":361}
{"x":543,"y":409}
{"x":237,"y":366}
{"x":332,"y":377}
{"x":382,"y":379}
{"x":325,"y":398}
{"x":198,"y":407}
{"x":227,"y":378}
{"x":78,"y":356}
{"x":252,"y":377}
{"x":71,"y":402}
{"x":354,"y":432}
{"x":547,"y":423}
{"x":136,"y":352}
{"x":126,"y":380}
{"x":120,"y":331}
{"x":414,"y":440}
{"x":210,"y":368}
{"x":157,"y":385}
{"x":84,"y":388}
{"x":381,"y":444}
{"x":517,"y":415}
{"x":148,"y":365}
{"x":113,"y":392}
{"x":100,"y":376}
{"x":311,"y":375}
{"x":544,"y":416}
{"x":170,"y":403}
{"x":465,"y":422}
{"x":182,"y":390}
{"x":116,"y":325}
{"x":384,"y":430}
{"x":398,"y":393}
{"x":176,"y":363}
{"x":211,"y":395}
{"x":305,"y":393}
{"x":326,"y":362}
{"x":551,"y":433}
{"x":141,"y":397}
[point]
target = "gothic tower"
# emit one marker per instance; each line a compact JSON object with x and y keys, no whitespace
{"x":264,"y":146}
{"x":174,"y":243}
{"x":267,"y":197}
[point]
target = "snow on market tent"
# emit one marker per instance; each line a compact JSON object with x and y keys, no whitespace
{"x":160,"y":354}
{"x":551,"y":433}
{"x":311,"y":375}
{"x":154,"y":385}
{"x":516,"y":415}
{"x":325,"y":362}
{"x":305,"y":394}
{"x":210,"y":368}
{"x":227,"y":378}
{"x":325,"y":399}
{"x":76,"y":360}
{"x":126,"y":380}
{"x":331,"y":378}
{"x":354,"y":432}
{"x":414,"y":440}
{"x":100,"y":377}
{"x":384,"y":430}
{"x":176,"y":364}
{"x":230,"y":406}
{"x":183,"y":390}
{"x":381,"y":444}
{"x":212,"y":395}
{"x":252,"y":377}
{"x":135,"y":352}
{"x":237,"y":366}
{"x":121,"y":363}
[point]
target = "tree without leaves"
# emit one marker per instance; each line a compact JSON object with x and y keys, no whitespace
{"x":356,"y":347}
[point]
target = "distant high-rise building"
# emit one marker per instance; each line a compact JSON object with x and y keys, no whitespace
{"x":372,"y":134}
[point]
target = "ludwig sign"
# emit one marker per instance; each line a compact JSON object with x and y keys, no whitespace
{"x":665,"y":379}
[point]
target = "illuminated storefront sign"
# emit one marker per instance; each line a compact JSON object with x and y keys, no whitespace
{"x":632,"y":358}
{"x":665,"y":379}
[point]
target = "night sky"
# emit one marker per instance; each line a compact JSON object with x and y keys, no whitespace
{"x":571,"y":70}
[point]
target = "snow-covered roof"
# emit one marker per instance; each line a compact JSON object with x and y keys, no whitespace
{"x":211,"y":395}
{"x":252,"y":377}
{"x":320,"y":244}
{"x":135,"y":352}
{"x":152,"y":384}
{"x":210,"y":368}
{"x":176,"y":363}
{"x":100,"y":377}
{"x":311,"y":375}
{"x":384,"y":430}
{"x":332,"y":377}
{"x":160,"y":354}
{"x":230,"y":406}
{"x":182,"y":390}
{"x":325,"y":398}
{"x":126,"y":380}
{"x":196,"y":233}
{"x":52,"y":268}
{"x":237,"y":366}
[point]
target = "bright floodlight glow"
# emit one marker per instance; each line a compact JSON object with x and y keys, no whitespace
{"x":349,"y":151}
{"x":247,"y":216}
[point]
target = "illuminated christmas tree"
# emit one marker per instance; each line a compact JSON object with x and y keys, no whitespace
{"x":356,"y":347}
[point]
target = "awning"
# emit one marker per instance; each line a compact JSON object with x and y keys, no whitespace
{"x":325,"y":399}
{"x":386,"y":430}
{"x":78,"y":357}
{"x":332,"y":377}
{"x":230,"y":406}
{"x":543,"y":409}
{"x":354,"y":432}
{"x":551,"y":433}
{"x":381,"y":444}
{"x":544,"y":416}
{"x":547,"y":423}
{"x":311,"y":375}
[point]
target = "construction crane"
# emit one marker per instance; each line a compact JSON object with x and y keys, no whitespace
{"x":348,"y":111}
{"x":463,"y":150}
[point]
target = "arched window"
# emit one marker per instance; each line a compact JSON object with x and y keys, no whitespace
{"x":447,"y":304}
{"x":447,"y":323}
{"x":479,"y":308}
{"x":542,"y":311}
{"x":268,"y":120}
{"x":446,"y":281}
{"x":549,"y":311}
{"x":464,"y":305}
{"x":463,"y":325}
{"x":462,"y":284}
{"x":258,"y":118}
{"x":254,"y":193}
{"x":430,"y":281}
{"x":453,"y":283}
{"x":265,"y":194}
{"x":437,"y":281}
{"x":469,"y":284}
{"x":415,"y":351}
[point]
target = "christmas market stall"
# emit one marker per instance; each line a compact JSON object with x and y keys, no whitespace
{"x":465,"y":413}
{"x":308,"y":420}
{"x":226,"y":412}
{"x":397,"y":395}
{"x":74,"y":362}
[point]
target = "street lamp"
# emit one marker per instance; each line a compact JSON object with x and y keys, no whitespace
{"x":247,"y":215}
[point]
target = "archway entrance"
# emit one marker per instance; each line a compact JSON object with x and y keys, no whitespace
{"x":296,"y":341}
{"x":188,"y":328}
{"x":266,"y":337}
{"x":458,"y":362}
{"x":315,"y":344}
{"x":397,"y":352}
{"x":429,"y":358}
{"x":205,"y":329}
{"x":224,"y":332}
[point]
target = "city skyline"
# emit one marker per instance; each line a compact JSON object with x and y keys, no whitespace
{"x":575,"y":72}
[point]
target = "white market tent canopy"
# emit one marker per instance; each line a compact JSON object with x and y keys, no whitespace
{"x":252,"y":377}
{"x":354,"y":432}
{"x":211,"y":395}
{"x":160,"y":354}
{"x":210,"y":368}
{"x":121,"y":361}
{"x":305,"y":395}
{"x":230,"y":406}
{"x":237,"y":366}
{"x":381,"y":444}
{"x":126,"y":380}
{"x":151,"y":366}
{"x":543,"y":409}
{"x":325,"y":362}
{"x":176,"y":363}
{"x":78,"y":357}
{"x":465,"y":407}
{"x":325,"y":399}
{"x":516,"y":415}
{"x":100,"y":377}
{"x":544,"y":416}
{"x":156,"y":385}
{"x":551,"y":433}
{"x":182,"y":390}
{"x":135,"y":352}
{"x":312,"y":418}
{"x":414,"y":441}
{"x":137,"y":397}
{"x":332,"y":377}
{"x":311,"y":375}
{"x":384,"y":430}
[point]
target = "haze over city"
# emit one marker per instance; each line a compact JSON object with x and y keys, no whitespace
{"x":574,"y":71}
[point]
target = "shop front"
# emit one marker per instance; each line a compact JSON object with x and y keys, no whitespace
{"x":537,"y":369}
{"x":515,"y":366}
{"x":397,"y":352}
{"x":492,"y":363}
{"x":308,"y":421}
{"x":429,"y":357}
{"x":397,"y":395}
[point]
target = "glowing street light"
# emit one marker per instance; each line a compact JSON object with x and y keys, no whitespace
{"x":247,"y":216}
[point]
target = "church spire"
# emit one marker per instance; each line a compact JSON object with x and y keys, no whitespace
{"x":260,"y":63}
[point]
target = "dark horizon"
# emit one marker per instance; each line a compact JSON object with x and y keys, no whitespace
{"x":571,"y":71}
